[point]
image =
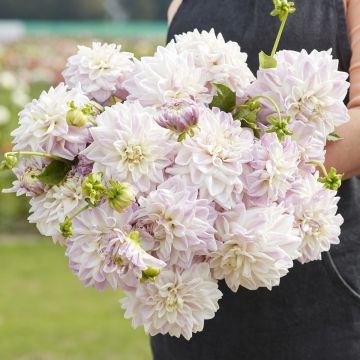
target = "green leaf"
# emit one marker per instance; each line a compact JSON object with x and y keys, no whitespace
{"x":225,"y":99}
{"x":266,"y":61}
{"x":334,"y":137}
{"x":54,"y":173}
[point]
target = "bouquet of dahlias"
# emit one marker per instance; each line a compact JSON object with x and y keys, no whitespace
{"x":163,"y":175}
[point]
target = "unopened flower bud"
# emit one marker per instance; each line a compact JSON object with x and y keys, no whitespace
{"x":77,"y":118}
{"x":93,"y":188}
{"x":150,"y":274}
{"x":66,"y":228}
{"x":120,"y":195}
{"x":9,"y":162}
{"x":179,"y":115}
{"x":332,"y":180}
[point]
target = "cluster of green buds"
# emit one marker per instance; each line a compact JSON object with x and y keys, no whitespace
{"x":119,"y":197}
{"x":93,"y":188}
{"x":283,"y":8}
{"x":80,"y":117}
{"x":279,"y":126}
{"x":331,"y":179}
{"x":9,"y":162}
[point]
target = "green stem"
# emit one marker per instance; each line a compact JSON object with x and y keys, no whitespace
{"x":79,"y":212}
{"x":34,"y":153}
{"x":283,"y":22}
{"x":321,"y":166}
{"x":270,"y":100}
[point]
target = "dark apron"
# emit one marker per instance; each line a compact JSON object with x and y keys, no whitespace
{"x":315,"y":312}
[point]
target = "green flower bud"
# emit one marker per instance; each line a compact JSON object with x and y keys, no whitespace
{"x":282,"y":8}
{"x":93,"y":188}
{"x":9,"y":162}
{"x":120,"y":195}
{"x":77,"y":118}
{"x":279,"y":126}
{"x":66,"y":228}
{"x":150,"y":274}
{"x":332,"y":181}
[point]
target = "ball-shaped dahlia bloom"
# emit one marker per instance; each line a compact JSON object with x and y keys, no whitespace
{"x":223,"y":62}
{"x":130,"y":147}
{"x":258,"y":247}
{"x":49,"y":209}
{"x":43,"y":126}
{"x":104,"y":252}
{"x":273,"y":169}
{"x":176,"y":224}
{"x":177,"y":303}
{"x":167,"y":75}
{"x":315,"y":210}
{"x":213,"y":159}
{"x":100,"y":70}
{"x":309,"y":87}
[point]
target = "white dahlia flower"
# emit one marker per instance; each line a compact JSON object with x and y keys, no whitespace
{"x":100,"y":70}
{"x":177,"y":303}
{"x":130,"y":147}
{"x":222,"y":61}
{"x":258,"y":248}
{"x":43,"y":126}
{"x":274,"y":167}
{"x":213,"y":159}
{"x":103,"y":252}
{"x":176,"y":224}
{"x":48,"y":210}
{"x":27,"y":171}
{"x":165,"y":76}
{"x":309,"y":86}
{"x":315,"y":209}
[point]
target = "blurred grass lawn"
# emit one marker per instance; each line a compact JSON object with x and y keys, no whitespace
{"x":47,"y":314}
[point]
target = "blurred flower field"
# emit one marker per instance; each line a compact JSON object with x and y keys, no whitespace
{"x":45,"y":312}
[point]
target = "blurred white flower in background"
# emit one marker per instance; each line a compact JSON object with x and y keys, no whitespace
{"x":4,"y":115}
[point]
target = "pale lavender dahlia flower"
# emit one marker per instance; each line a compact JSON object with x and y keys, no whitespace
{"x":314,"y":208}
{"x":49,"y":209}
{"x":176,"y":224}
{"x":310,"y":143}
{"x":309,"y":87}
{"x":27,"y":171}
{"x":100,"y":70}
{"x":177,"y":303}
{"x":104,"y":252}
{"x":130,"y":147}
{"x":43,"y":126}
{"x":259,"y":246}
{"x":167,"y":75}
{"x":213,"y":159}
{"x":222,"y":61}
{"x":273,"y":169}
{"x":84,"y":166}
{"x":178,"y":115}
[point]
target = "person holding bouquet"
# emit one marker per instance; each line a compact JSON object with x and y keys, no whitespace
{"x":315,"y":312}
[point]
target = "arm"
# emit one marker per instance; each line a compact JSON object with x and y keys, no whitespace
{"x":344,"y":155}
{"x":175,"y":4}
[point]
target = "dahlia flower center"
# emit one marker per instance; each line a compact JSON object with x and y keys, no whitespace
{"x":311,"y":227}
{"x":173,"y":301}
{"x":30,"y":176}
{"x":134,"y":154}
